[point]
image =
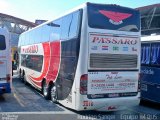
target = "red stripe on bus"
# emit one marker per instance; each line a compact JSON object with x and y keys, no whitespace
{"x":55,"y":61}
{"x":36,"y":84}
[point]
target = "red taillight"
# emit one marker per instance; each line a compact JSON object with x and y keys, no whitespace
{"x":139,"y":86}
{"x":8,"y":78}
{"x":83,"y":84}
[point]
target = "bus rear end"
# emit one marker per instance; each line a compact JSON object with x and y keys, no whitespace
{"x":5,"y":62}
{"x":111,"y":79}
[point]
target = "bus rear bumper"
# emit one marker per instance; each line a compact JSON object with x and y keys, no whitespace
{"x":113,"y":104}
{"x":5,"y":88}
{"x":118,"y":104}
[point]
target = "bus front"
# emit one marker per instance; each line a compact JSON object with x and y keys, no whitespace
{"x":111,"y":79}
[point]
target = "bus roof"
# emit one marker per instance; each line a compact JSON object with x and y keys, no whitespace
{"x":3,"y":31}
{"x":82,"y":6}
{"x":59,"y":16}
{"x":150,"y":38}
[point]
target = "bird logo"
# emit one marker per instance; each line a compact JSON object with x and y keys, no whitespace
{"x":115,"y":18}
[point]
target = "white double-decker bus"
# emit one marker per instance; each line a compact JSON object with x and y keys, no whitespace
{"x":5,"y":62}
{"x":86,"y":59}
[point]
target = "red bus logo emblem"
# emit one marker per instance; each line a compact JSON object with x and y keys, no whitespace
{"x":115,"y":17}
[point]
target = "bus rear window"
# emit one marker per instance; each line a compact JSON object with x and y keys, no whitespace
{"x":2,"y":43}
{"x":113,"y":17}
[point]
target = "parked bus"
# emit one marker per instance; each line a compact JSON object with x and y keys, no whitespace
{"x":5,"y":62}
{"x":86,"y":59}
{"x":150,"y":61}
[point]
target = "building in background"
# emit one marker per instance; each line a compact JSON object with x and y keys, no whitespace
{"x":150,"y":19}
{"x":15,"y":26}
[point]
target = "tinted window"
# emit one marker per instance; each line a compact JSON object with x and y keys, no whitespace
{"x":73,"y":28}
{"x":45,"y":33}
{"x":150,"y":54}
{"x":32,"y":37}
{"x":61,"y":29}
{"x":30,"y":60}
{"x":26,"y":41}
{"x":55,"y":30}
{"x":113,"y":17}
{"x":155,"y":53}
{"x":20,"y":41}
{"x":38,"y":35}
{"x":23,"y":39}
{"x":145,"y":53}
{"x":23,"y":60}
{"x":67,"y":20}
{"x":70,"y":25}
{"x":2,"y":43}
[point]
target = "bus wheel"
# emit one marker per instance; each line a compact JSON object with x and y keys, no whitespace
{"x":54,"y":94}
{"x":46,"y":90}
{"x":20,"y":75}
{"x":24,"y":78}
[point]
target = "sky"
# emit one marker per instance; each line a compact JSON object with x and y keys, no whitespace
{"x":48,"y":9}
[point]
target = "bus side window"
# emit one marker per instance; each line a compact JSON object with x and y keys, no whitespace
{"x":38,"y":35}
{"x":23,"y":61}
{"x":55,"y":30}
{"x":74,"y":27}
{"x":22,"y":40}
{"x":2,"y":43}
{"x":45,"y":33}
{"x":26,"y":41}
{"x":155,"y":54}
{"x":145,"y":59}
{"x":66,"y":22}
{"x":70,"y":26}
{"x":31,"y":37}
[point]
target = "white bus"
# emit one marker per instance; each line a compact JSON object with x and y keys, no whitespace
{"x":5,"y":62}
{"x":86,"y":59}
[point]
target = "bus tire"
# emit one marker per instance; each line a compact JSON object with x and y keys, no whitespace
{"x":54,"y":93}
{"x":20,"y":75}
{"x":23,"y":78}
{"x":46,"y":90}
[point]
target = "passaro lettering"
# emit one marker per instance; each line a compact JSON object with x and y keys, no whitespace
{"x":114,"y":40}
{"x":32,"y":49}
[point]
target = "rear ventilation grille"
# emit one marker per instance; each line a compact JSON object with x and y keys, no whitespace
{"x":113,"y":61}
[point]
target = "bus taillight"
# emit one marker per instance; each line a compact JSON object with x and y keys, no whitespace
{"x":8,"y":78}
{"x":139,"y":86}
{"x":83,"y":84}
